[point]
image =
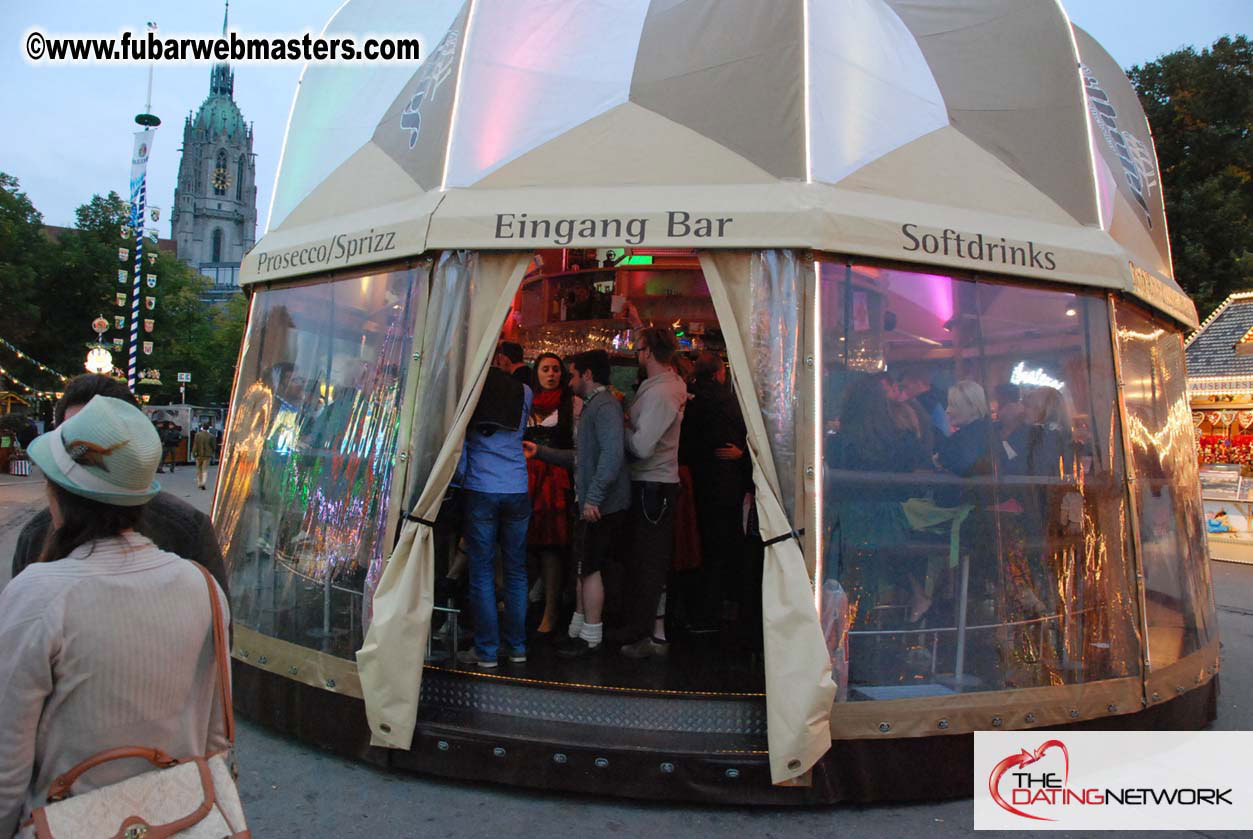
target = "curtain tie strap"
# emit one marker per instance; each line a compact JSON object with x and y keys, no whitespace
{"x":419,"y":520}
{"x":793,"y":534}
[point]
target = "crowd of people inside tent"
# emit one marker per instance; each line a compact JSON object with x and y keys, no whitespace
{"x":616,"y":520}
{"x":920,"y":471}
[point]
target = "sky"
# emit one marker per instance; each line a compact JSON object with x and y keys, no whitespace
{"x":70,"y":127}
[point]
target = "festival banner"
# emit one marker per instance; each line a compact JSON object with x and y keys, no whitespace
{"x":152,"y":258}
{"x":147,"y":348}
{"x":123,"y":254}
{"x":148,"y":324}
{"x":152,"y":280}
{"x":121,"y":299}
{"x":138,"y":203}
{"x":118,"y":343}
{"x":150,"y":303}
{"x":119,"y":321}
{"x":139,"y":162}
{"x":121,"y":276}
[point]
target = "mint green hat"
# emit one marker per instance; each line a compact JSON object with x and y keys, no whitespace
{"x":108,"y":452}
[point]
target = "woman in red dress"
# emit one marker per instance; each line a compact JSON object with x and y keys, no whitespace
{"x":551,"y":423}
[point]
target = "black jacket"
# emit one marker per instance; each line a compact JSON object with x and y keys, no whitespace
{"x":500,"y":403}
{"x":712,"y":419}
{"x":173,"y":524}
{"x":973,"y":450}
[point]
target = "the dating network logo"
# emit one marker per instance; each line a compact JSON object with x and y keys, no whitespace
{"x":1112,"y":780}
{"x":1045,"y":788}
{"x":1024,"y":780}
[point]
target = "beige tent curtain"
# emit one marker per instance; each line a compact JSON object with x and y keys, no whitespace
{"x":470,"y":298}
{"x":750,"y":291}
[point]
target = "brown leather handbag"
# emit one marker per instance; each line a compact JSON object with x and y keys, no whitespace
{"x":191,"y":797}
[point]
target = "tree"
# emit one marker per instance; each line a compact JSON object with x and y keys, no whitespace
{"x":23,"y":251}
{"x":79,"y":284}
{"x":1200,"y":107}
{"x":53,"y":287}
{"x":192,"y":336}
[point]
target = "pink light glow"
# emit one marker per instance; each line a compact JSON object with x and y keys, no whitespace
{"x":513,"y":75}
{"x":932,"y":292}
{"x":939,"y":292}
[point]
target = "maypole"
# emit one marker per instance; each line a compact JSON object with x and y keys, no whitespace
{"x":139,"y":198}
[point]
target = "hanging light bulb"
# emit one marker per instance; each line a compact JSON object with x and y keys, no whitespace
{"x":99,"y":359}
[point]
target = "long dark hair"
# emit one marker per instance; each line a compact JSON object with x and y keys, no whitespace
{"x":84,"y":521}
{"x":867,"y":423}
{"x":563,"y":383}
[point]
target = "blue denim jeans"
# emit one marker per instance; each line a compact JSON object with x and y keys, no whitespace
{"x":491,"y":519}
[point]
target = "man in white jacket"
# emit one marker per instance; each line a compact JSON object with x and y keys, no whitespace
{"x":652,"y":443}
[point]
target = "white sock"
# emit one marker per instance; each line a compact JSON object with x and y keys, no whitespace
{"x":591,"y":633}
{"x":659,"y":625}
{"x":576,"y":625}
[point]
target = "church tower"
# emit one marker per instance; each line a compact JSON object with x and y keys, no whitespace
{"x":214,"y":220}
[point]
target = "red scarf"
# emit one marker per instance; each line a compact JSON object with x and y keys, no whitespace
{"x":547,"y":401}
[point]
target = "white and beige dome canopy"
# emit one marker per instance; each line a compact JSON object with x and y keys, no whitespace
{"x":985,"y":135}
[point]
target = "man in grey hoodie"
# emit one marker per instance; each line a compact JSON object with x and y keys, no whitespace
{"x":652,"y":443}
{"x":602,"y":493}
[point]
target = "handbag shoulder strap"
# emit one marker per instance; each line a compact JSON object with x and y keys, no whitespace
{"x":60,"y":787}
{"x":222,"y":660}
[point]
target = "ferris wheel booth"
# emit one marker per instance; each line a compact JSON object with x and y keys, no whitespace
{"x":957,"y":202}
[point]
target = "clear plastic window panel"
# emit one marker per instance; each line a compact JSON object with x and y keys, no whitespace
{"x":776,"y":285}
{"x":309,"y":458}
{"x":975,"y":532}
{"x":1179,"y":611}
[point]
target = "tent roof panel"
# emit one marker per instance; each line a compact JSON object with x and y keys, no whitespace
{"x":731,"y":70}
{"x":368,"y":178}
{"x":1007,"y":72}
{"x":756,"y":105}
{"x":627,"y":146}
{"x":942,"y":163}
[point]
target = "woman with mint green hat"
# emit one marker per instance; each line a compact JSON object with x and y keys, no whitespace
{"x":107,"y":639}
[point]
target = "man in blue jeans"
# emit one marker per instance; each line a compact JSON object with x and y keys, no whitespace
{"x":497,"y":512}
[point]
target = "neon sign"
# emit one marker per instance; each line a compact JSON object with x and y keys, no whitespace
{"x":1022,"y":375}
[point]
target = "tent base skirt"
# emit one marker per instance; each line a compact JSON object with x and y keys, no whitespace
{"x":620,"y":761}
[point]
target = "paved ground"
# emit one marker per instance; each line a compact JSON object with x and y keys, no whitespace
{"x":296,"y":792}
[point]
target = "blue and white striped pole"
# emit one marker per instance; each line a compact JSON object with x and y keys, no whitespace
{"x":138,"y":208}
{"x":139,"y":196}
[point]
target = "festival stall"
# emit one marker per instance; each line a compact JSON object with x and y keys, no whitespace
{"x":956,"y":204}
{"x":1220,"y":387}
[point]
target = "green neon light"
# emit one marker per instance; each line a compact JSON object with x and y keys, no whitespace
{"x":637,"y":260}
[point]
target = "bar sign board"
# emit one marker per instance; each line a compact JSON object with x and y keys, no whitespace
{"x":184,"y":377}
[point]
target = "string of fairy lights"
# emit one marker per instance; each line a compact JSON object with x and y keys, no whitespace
{"x":32,"y":391}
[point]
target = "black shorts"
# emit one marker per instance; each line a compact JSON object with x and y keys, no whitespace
{"x":595,"y":540}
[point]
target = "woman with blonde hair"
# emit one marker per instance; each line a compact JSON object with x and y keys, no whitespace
{"x":968,"y":450}
{"x":972,"y":449}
